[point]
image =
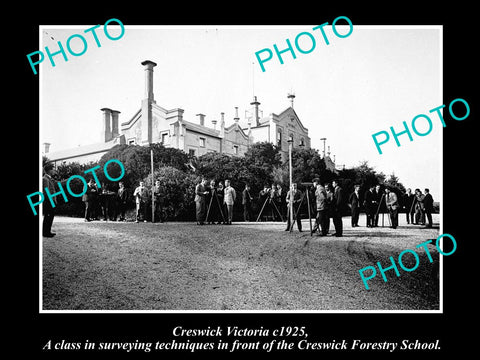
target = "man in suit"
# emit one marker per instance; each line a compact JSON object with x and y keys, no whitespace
{"x":337,"y":207}
{"x":297,"y":198}
{"x":88,"y":199}
{"x":428,"y":206}
{"x":281,"y":200}
{"x":121,"y":201}
{"x":354,"y":201}
{"x":200,"y":193}
{"x":419,"y":208}
{"x":229,"y":200}
{"x":141,"y":200}
{"x":369,"y":203}
{"x":328,"y":203}
{"x":48,"y":209}
{"x":158,"y":201}
{"x":247,"y":203}
{"x":408,"y":201}
{"x":378,"y":204}
{"x":391,"y":201}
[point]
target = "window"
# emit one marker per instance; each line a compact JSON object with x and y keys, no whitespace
{"x":302,"y":142}
{"x":164,"y":138}
{"x":279,"y":138}
{"x":191,"y":152}
{"x":235,"y":149}
{"x":131,"y":141}
{"x":202,"y":142}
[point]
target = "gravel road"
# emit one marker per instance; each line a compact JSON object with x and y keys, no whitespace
{"x":245,"y":266}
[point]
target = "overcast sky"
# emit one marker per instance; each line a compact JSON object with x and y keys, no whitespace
{"x":356,"y":86}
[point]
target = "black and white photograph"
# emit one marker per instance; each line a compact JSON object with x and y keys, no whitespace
{"x":215,"y":150}
{"x":246,"y":184}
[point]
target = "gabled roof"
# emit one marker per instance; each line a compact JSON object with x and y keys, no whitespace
{"x":234,"y":127}
{"x":291,"y":110}
{"x":200,"y":129}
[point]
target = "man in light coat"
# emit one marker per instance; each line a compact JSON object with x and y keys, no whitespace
{"x":229,"y":199}
{"x":392,"y":206}
{"x":141,"y":200}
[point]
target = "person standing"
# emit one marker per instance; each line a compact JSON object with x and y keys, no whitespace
{"x":419,"y":208}
{"x":247,"y":203}
{"x":88,"y":199}
{"x":48,"y":209}
{"x":158,"y":201}
{"x":281,"y":200}
{"x":354,"y":201}
{"x":121,"y":201}
{"x":200,"y":193}
{"x":229,"y":200}
{"x":297,"y":198}
{"x":337,"y":207}
{"x":141,"y":198}
{"x":263,"y":198}
{"x":391,"y":201}
{"x":428,"y":207}
{"x":408,"y":201}
{"x":321,"y":207}
{"x":221,"y":204}
{"x":378,"y":196}
{"x":369,"y":203}
{"x":313,"y":202}
{"x":329,"y":205}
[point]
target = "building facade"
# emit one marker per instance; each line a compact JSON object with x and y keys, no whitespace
{"x":153,"y":123}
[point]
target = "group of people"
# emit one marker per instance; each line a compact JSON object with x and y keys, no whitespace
{"x":112,"y":205}
{"x":214,"y":205}
{"x":416,"y":206}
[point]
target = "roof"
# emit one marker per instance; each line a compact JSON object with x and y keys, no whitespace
{"x":83,"y":150}
{"x":200,"y":129}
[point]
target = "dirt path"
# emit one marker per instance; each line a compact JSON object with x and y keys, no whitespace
{"x":256,"y":266}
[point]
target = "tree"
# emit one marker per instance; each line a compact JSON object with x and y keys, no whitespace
{"x":136,"y":161}
{"x":179,"y":189}
{"x":394,"y":182}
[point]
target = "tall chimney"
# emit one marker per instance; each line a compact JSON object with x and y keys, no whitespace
{"x":256,"y":103}
{"x":106,"y":129}
{"x":201,"y":119}
{"x":46,"y":147}
{"x":149,"y":65}
{"x":222,"y":125}
{"x":115,"y":132}
{"x":236,"y":118}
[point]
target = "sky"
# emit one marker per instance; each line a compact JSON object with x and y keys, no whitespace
{"x":374,"y":79}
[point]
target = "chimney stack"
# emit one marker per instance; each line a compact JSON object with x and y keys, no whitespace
{"x":214,"y":122}
{"x":149,"y":65}
{"x":222,"y":125}
{"x":255,"y":103}
{"x":201,"y":118}
{"x":115,"y":131}
{"x":46,"y":147}
{"x":106,"y":129}
{"x":291,"y":96}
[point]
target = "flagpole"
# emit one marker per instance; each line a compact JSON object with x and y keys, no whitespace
{"x":153,"y":186}
{"x":290,"y":144}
